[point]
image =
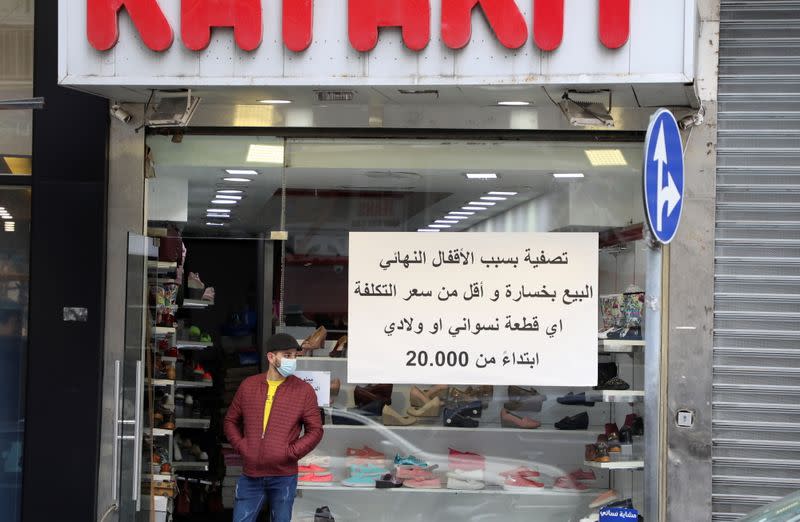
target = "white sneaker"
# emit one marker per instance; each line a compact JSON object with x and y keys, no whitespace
{"x":473,"y":474}
{"x":323,"y":461}
{"x":177,"y":456}
{"x":455,"y":483}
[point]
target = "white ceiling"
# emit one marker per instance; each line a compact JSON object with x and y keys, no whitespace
{"x":338,"y":185}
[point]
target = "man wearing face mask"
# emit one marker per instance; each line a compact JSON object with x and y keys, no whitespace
{"x":263,"y":424}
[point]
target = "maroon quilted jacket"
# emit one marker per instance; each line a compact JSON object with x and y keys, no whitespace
{"x":273,"y":453}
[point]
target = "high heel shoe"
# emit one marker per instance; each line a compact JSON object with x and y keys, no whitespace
{"x":315,"y":341}
{"x":392,"y":418}
{"x":431,"y":409}
{"x":340,"y":350}
{"x":336,"y":385}
{"x":418,"y":398}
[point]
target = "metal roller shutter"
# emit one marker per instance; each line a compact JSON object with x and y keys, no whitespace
{"x":756,"y":382}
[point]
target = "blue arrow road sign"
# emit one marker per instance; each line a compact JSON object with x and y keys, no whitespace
{"x":663,"y":175}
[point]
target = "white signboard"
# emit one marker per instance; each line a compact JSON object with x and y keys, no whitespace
{"x":473,"y":308}
{"x":321,"y":382}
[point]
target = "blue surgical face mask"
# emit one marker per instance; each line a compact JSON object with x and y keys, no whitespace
{"x":287,"y":367}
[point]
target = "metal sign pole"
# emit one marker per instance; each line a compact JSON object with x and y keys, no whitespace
{"x":652,"y":378}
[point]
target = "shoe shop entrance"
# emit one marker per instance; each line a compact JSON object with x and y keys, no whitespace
{"x":249,"y":235}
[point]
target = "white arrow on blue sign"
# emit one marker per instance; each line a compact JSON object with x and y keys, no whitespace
{"x":663,"y":175}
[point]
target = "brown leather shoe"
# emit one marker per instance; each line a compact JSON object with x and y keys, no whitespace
{"x":363,"y":395}
{"x":315,"y":341}
{"x":340,"y":350}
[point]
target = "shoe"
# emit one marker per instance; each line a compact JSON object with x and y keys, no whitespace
{"x":336,"y":385}
{"x":440,"y":390}
{"x":373,"y":392}
{"x":177,"y":456}
{"x":520,"y":483}
{"x":510,"y":420}
{"x":604,"y":498}
{"x":465,"y":460}
{"x":521,"y":471}
{"x":388,"y":481}
{"x":612,"y":438}
{"x":614,"y":383}
{"x":417,"y":397}
{"x":576,"y":422}
{"x":207,"y":377}
{"x":198,"y":372}
{"x":606,"y":371}
{"x":524,"y":399}
{"x":626,"y":435}
{"x":456,"y":396}
{"x":206,"y":338}
{"x":171,"y":373}
{"x":316,"y":479}
{"x":456,"y":420}
{"x":392,"y":418}
{"x":315,"y":341}
{"x":365,"y":453}
{"x":602,"y":452}
{"x":209,"y":295}
{"x":568,"y":483}
{"x":580,"y":474}
{"x":469,"y":485}
{"x":323,"y":514}
{"x":320,"y":461}
{"x":432,"y":483}
{"x":340,"y":350}
{"x":469,"y":475}
{"x":624,"y":504}
{"x":575,"y":399}
{"x":194,"y":286}
{"x":468,"y":409}
{"x":410,"y":460}
{"x":432,"y":409}
{"x":312,"y":468}
{"x":638,"y":426}
{"x":415,"y":473}
{"x":360,"y":481}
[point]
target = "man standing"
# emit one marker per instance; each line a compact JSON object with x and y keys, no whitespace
{"x":263,"y":424}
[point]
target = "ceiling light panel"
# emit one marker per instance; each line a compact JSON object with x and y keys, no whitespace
{"x":606,"y":158}
{"x":495,"y":193}
{"x":241,"y":172}
{"x":482,"y":203}
{"x":273,"y":154}
{"x":567,"y":175}
{"x":222,"y":202}
{"x":493,"y":198}
{"x":481,"y":175}
{"x":238,"y":180}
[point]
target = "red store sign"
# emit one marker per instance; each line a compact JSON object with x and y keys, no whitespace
{"x":365,"y":18}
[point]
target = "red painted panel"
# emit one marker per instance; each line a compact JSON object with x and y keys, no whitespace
{"x":548,"y":24}
{"x":199,"y":16}
{"x":504,"y":16}
{"x":298,"y":24}
{"x":614,"y":22}
{"x":366,"y":16}
{"x":102,"y":25}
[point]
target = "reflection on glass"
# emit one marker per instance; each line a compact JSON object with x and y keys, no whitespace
{"x":16,"y":82}
{"x":14,"y":251}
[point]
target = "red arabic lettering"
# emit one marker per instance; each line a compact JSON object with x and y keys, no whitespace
{"x":614,"y":22}
{"x":548,"y":24}
{"x":298,"y":24}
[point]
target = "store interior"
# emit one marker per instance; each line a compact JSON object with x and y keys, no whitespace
{"x":253,"y":238}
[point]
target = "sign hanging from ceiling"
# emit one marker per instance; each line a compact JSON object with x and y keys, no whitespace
{"x":473,"y":308}
{"x":663,"y":175}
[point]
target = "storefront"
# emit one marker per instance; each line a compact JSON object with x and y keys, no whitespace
{"x":469,"y":132}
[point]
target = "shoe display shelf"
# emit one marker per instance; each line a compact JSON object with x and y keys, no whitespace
{"x":608,"y":346}
{"x":190,"y":466}
{"x":193,"y":423}
{"x":196,"y":304}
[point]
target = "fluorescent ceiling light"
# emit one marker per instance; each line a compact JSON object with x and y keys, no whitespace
{"x":446,"y":221}
{"x":215,"y":224}
{"x":265,"y":154}
{"x":567,"y":175}
{"x":493,"y":198}
{"x":482,"y":203}
{"x":514,"y":103}
{"x":238,"y":180}
{"x":275,"y":102}
{"x":222,"y":202}
{"x":457,"y":213}
{"x":456,"y":217}
{"x":427,"y":230}
{"x":439,"y":226}
{"x":241,"y":172}
{"x":229,"y":191}
{"x":481,"y":175}
{"x":6,"y":217}
{"x":495,"y":193}
{"x":226,"y":210}
{"x":606,"y":158}
{"x":225,"y":196}
{"x":473,"y":208}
